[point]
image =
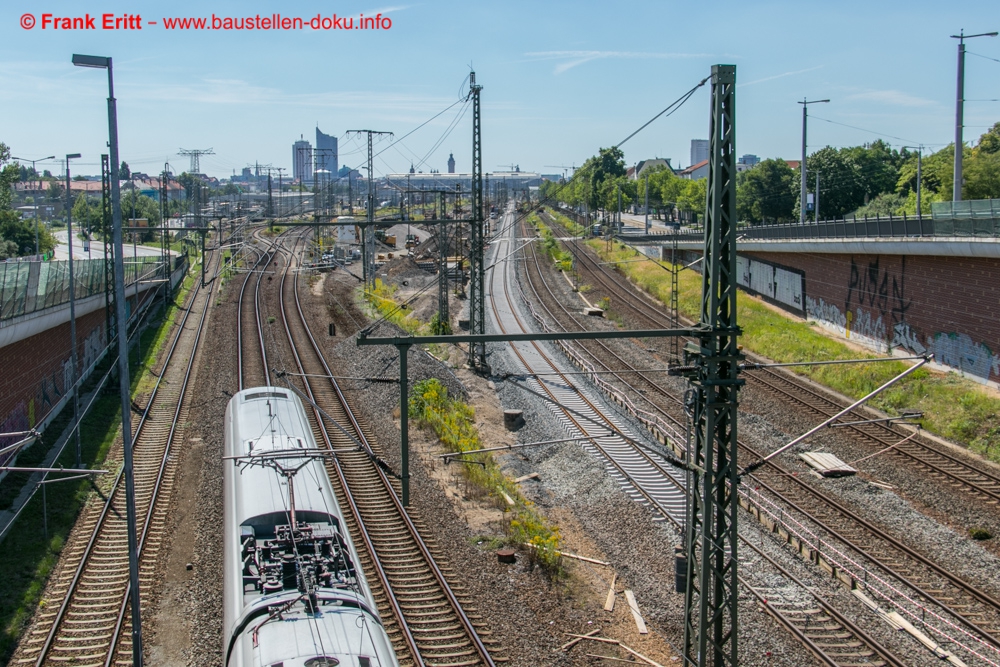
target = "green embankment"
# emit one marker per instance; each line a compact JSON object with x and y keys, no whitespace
{"x":27,"y":557}
{"x":954,"y":407}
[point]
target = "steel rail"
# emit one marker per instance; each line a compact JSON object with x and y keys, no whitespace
{"x":960,"y":584}
{"x":883,"y":652}
{"x":239,"y":321}
{"x":408,"y":638}
{"x":401,"y":511}
{"x":164,"y":460}
{"x":642,"y":305}
{"x":95,"y":534}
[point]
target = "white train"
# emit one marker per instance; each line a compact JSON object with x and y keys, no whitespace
{"x":294,"y":595}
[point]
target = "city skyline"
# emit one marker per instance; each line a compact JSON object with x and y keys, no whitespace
{"x":563,"y":81}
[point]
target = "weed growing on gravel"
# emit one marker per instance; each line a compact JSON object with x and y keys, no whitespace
{"x":385,"y":306}
{"x":953,"y":407}
{"x":550,"y":244}
{"x":565,"y":221}
{"x":455,"y":426}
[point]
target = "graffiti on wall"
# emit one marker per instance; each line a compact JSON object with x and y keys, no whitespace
{"x":16,"y":420}
{"x":874,"y":315}
{"x":959,"y":351}
{"x":858,"y":325}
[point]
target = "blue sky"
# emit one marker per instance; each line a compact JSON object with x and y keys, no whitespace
{"x":560,"y":79}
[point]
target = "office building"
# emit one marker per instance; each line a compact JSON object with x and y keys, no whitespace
{"x":699,"y":150}
{"x":302,"y":169}
{"x":326,"y":153}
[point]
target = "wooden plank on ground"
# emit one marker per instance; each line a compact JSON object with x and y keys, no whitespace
{"x":573,"y":642}
{"x":604,"y":640}
{"x":634,"y":606}
{"x":609,"y":604}
{"x":525,"y":478}
{"x":510,"y":501}
{"x":827,"y":464}
{"x":648,"y":661}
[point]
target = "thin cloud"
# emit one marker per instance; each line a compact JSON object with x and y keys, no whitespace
{"x":891,"y":97}
{"x":573,"y":58}
{"x":778,"y":76}
{"x":385,"y":10}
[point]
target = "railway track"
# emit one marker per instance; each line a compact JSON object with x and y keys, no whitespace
{"x":958,"y":472}
{"x":84,"y":619}
{"x":826,"y":632}
{"x":975,"y":610}
{"x":429,"y":620}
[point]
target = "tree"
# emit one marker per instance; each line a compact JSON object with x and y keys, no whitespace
{"x":87,"y":216}
{"x":124,"y":173}
{"x":982,"y":176}
{"x":138,"y":206}
{"x":189,"y":182}
{"x":886,"y":204}
{"x":9,"y":174}
{"x":851,"y":177}
{"x":766,"y":193}
{"x":55,"y":191}
{"x":22,"y":234}
{"x":608,"y":163}
{"x":989,"y":142}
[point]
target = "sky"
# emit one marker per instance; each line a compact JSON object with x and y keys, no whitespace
{"x":560,"y":79}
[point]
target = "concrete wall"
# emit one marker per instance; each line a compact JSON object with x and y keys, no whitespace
{"x":35,"y":369}
{"x":948,"y":306}
{"x":35,"y":372}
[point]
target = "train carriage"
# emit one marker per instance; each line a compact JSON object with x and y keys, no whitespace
{"x":294,"y":593}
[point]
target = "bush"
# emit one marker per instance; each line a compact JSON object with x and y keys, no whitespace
{"x":980,"y":533}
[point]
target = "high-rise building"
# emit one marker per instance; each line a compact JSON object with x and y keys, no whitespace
{"x":302,"y":160}
{"x":451,"y":163}
{"x":326,"y":152}
{"x":699,"y":151}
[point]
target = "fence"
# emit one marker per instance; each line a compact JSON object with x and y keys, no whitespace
{"x":978,"y":218}
{"x":28,"y":287}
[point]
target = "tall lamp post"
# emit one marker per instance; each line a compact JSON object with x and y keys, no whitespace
{"x":802,"y":196}
{"x":102,"y":62}
{"x":959,"y":109}
{"x":72,"y":313}
{"x":35,"y":198}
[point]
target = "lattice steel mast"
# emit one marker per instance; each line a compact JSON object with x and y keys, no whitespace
{"x":368,"y":229}
{"x":710,"y":629}
{"x":194,"y":154}
{"x":477,"y":277}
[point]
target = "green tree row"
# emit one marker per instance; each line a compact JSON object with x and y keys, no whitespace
{"x":602,"y":178}
{"x":873,"y":179}
{"x":17,"y":236}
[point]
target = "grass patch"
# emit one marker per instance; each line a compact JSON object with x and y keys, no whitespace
{"x":550,"y":244}
{"x":454,"y":424}
{"x":27,"y":557}
{"x":381,"y":300}
{"x":564,"y":220}
{"x":954,"y":407}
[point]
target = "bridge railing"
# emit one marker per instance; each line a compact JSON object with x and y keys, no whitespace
{"x":890,"y":227}
{"x":29,"y":287}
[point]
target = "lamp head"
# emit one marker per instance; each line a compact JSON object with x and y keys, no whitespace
{"x":100,"y":62}
{"x":72,"y":156}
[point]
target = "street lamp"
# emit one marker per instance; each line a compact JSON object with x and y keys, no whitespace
{"x":102,"y":62}
{"x":72,"y":314}
{"x":959,"y":104}
{"x":35,"y":198}
{"x":802,"y":196}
